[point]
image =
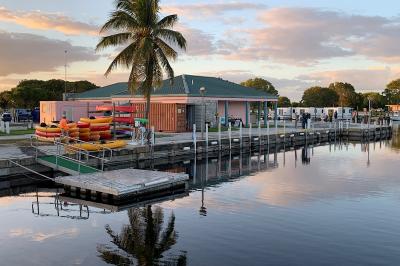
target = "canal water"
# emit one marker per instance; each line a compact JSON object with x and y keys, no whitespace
{"x":334,"y":204}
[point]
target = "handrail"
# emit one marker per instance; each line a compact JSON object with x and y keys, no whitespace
{"x":85,"y":142}
{"x":74,"y":148}
{"x":103,"y":149}
{"x":61,"y":156}
{"x":58,"y":143}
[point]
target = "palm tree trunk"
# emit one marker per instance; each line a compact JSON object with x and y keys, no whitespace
{"x":147,"y":107}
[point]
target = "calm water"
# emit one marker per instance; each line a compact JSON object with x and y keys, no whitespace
{"x":327,"y":205}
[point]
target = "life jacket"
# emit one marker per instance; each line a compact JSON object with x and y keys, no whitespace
{"x":64,"y":124}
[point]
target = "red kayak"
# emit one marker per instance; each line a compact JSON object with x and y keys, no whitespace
{"x":83,"y":125}
{"x":47,"y":134}
{"x":99,"y":128}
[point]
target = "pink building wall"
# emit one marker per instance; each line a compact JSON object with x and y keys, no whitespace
{"x":235,"y":109}
{"x":74,"y":110}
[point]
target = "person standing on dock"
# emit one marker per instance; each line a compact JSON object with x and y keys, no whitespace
{"x":64,"y":126}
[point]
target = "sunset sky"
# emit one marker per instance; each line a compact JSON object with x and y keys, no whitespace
{"x":294,"y":44}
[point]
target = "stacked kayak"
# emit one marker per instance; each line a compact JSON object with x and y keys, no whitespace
{"x":95,"y":129}
{"x":47,"y":133}
{"x":52,"y":131}
{"x":84,"y":131}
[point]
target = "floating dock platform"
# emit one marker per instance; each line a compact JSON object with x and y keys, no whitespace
{"x":150,"y":200}
{"x":118,"y":185}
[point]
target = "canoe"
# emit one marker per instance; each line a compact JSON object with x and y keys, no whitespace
{"x":103,"y":132}
{"x":99,"y":128}
{"x":74,"y":134}
{"x":72,"y":125}
{"x":127,"y":120}
{"x":83,"y":124}
{"x":128,"y":109}
{"x":84,"y":130}
{"x":47,"y":134}
{"x":106,"y":137}
{"x":94,"y":137}
{"x":84,"y":134}
{"x":48,"y":129}
{"x":97,"y":120}
{"x":73,"y":130}
{"x":99,"y":124}
{"x":98,"y":146}
{"x":45,"y":139}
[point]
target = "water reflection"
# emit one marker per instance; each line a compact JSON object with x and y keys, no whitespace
{"x":143,"y":240}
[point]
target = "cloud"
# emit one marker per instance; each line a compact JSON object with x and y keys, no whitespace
{"x":43,"y":236}
{"x":199,"y":43}
{"x":374,"y":79}
{"x":206,"y":10}
{"x":303,"y":36}
{"x":23,"y":53}
{"x":48,"y":21}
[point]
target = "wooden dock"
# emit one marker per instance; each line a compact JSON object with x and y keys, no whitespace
{"x":119,"y":184}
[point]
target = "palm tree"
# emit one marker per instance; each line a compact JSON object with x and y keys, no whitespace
{"x":147,"y":40}
{"x":143,"y":240}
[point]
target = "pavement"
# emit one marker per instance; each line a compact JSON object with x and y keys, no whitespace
{"x":16,"y":137}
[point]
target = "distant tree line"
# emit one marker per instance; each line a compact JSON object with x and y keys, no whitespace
{"x":28,"y":93}
{"x":336,"y":94}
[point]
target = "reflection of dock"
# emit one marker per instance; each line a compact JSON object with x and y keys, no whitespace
{"x":119,"y":184}
{"x":166,"y":196}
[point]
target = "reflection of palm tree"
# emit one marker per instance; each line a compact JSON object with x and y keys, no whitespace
{"x":143,"y":240}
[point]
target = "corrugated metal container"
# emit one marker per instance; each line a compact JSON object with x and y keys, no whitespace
{"x":165,"y":117}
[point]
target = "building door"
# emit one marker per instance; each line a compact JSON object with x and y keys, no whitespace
{"x":190,"y":116}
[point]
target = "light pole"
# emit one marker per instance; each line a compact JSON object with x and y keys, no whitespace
{"x":65,"y":72}
{"x":203,"y":113}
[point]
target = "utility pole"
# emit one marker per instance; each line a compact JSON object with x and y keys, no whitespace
{"x":65,"y":72}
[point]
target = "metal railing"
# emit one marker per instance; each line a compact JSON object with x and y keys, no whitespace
{"x":80,"y":152}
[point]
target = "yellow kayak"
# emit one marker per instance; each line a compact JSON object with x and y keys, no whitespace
{"x":98,"y":146}
{"x":48,"y":129}
{"x":97,"y":120}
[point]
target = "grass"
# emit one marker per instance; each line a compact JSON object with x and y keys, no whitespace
{"x":18,"y":132}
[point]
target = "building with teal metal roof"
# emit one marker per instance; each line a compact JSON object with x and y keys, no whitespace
{"x":188,"y":85}
{"x":221,"y":99}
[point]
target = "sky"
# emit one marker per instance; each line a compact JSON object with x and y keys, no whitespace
{"x":293,"y":44}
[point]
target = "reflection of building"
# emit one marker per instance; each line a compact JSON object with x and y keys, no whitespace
{"x":393,"y":107}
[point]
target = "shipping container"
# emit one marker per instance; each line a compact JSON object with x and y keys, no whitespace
{"x":165,"y":117}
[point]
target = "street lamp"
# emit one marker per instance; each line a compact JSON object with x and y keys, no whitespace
{"x":203,"y":115}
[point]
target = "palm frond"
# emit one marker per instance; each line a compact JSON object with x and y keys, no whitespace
{"x":173,"y":37}
{"x":167,"y":22}
{"x":168,"y":51}
{"x":120,"y":20}
{"x":163,"y":60}
{"x":123,"y":58}
{"x":114,"y":40}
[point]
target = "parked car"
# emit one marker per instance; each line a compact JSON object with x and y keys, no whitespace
{"x":6,"y":117}
{"x":23,"y":115}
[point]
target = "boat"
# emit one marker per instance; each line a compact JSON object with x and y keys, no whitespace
{"x":116,"y":144}
{"x":97,"y":120}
